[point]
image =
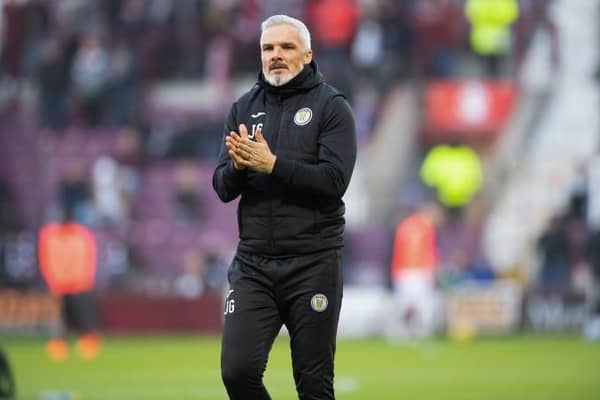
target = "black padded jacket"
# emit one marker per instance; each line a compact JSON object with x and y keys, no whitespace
{"x":298,"y":208}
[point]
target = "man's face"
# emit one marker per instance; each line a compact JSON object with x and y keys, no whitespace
{"x":282,"y":53}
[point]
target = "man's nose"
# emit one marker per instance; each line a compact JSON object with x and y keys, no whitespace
{"x":276,"y":54}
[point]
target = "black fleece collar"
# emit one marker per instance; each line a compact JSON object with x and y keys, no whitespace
{"x":307,"y":79}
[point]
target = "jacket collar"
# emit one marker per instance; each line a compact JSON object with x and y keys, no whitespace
{"x":307,"y":79}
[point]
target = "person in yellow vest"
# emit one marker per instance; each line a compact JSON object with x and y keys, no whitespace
{"x":455,"y":172}
{"x":413,"y":270}
{"x":67,"y":258}
{"x":491,"y":29}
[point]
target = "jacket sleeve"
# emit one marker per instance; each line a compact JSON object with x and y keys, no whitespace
{"x":227,"y":181}
{"x":337,"y":155}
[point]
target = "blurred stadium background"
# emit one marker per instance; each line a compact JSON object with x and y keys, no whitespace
{"x":113,"y":110}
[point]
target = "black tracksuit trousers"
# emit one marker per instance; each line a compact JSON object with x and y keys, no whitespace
{"x":304,"y":293}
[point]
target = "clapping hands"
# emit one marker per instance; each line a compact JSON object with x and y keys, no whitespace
{"x":246,"y":153}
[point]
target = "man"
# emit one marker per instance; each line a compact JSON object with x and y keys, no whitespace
{"x":413,"y":272}
{"x":68,"y":257}
{"x":289,"y":152}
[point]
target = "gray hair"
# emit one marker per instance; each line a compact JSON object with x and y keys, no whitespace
{"x":287,"y":20}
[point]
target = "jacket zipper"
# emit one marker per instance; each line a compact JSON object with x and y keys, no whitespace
{"x":274,"y":145}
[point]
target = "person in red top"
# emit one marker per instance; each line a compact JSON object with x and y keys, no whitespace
{"x":68,"y":258}
{"x":333,"y":25}
{"x":334,"y":22}
{"x":413,"y":269}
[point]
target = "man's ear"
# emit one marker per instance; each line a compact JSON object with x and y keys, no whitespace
{"x":308,"y":56}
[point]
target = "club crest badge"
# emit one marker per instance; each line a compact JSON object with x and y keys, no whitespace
{"x":303,"y":116}
{"x":319,"y":302}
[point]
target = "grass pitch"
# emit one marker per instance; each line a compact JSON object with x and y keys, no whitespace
{"x":181,"y":368}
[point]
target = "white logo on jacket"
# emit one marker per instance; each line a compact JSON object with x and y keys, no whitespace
{"x":319,"y":302}
{"x":303,"y":116}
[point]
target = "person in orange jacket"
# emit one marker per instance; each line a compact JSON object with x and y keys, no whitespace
{"x":413,"y":270}
{"x":68,"y":258}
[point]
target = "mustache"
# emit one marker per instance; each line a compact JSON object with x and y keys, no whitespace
{"x":277,"y":65}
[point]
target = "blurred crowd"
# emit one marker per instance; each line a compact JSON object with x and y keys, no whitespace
{"x":93,"y":67}
{"x":94,"y":61}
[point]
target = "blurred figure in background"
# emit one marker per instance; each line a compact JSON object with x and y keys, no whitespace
{"x":592,"y":326}
{"x":334,"y":24}
{"x":189,"y":207}
{"x":116,"y":179}
{"x":75,"y":194}
{"x":491,"y":22}
{"x":108,"y":198}
{"x":462,"y":259}
{"x":90,"y":75}
{"x":52,"y":76}
{"x":190,"y":283}
{"x":12,"y":45}
{"x":413,"y":269}
{"x":553,"y":247}
{"x":9,"y":220}
{"x":438,"y":30}
{"x":215,"y":272}
{"x":68,"y":258}
{"x":455,"y":171}
{"x":123,"y":71}
{"x":367,"y":49}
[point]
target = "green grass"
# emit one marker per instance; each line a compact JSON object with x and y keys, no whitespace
{"x":511,"y":368}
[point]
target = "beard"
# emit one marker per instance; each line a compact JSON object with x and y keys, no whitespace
{"x":280,"y":79}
